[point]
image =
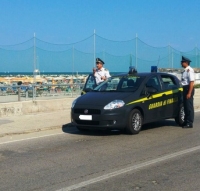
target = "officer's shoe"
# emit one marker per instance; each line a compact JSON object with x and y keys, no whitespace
{"x":187,"y":126}
{"x":184,"y":123}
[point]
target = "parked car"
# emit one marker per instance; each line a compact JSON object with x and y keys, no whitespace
{"x":127,"y":101}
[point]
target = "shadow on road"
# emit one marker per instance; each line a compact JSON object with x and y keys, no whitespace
{"x":160,"y":124}
{"x":71,"y":129}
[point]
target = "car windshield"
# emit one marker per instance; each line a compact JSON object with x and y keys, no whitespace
{"x":127,"y":83}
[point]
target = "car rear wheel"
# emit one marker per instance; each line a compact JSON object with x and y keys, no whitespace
{"x":134,"y":122}
{"x":179,"y":119}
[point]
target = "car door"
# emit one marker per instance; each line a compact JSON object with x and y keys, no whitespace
{"x":152,"y":101}
{"x":170,"y":89}
{"x":90,"y":84}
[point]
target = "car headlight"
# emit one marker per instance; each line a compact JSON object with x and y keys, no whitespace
{"x":73,"y":103}
{"x":115,"y":104}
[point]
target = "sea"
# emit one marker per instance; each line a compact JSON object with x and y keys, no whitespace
{"x":3,"y":74}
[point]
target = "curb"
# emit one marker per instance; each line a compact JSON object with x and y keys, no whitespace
{"x":36,"y":130}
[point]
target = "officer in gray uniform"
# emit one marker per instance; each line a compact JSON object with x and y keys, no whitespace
{"x":100,"y":72}
{"x":188,"y":92}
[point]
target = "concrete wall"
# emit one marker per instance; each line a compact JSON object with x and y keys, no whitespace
{"x":197,"y":78}
{"x":27,"y":107}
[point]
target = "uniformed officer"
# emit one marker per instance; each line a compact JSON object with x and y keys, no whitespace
{"x":188,"y":92}
{"x":100,"y":72}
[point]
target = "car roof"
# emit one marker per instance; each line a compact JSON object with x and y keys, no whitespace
{"x":143,"y":74}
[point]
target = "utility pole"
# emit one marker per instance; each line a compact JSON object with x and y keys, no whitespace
{"x":136,"y":51}
{"x":94,"y":47}
{"x":34,"y":68}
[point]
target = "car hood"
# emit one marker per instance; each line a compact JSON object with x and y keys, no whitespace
{"x":101,"y":98}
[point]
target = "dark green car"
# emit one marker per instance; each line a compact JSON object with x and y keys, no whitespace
{"x":127,"y":101}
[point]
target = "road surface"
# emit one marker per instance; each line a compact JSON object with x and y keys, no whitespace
{"x":162,"y":157}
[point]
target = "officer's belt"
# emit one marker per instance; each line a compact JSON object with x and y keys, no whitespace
{"x":186,"y":88}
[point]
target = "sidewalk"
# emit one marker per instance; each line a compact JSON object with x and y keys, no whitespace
{"x":34,"y":122}
{"x":20,"y":124}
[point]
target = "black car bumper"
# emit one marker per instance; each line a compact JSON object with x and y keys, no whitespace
{"x":99,"y":118}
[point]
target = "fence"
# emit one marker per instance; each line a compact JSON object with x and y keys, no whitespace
{"x":80,"y":56}
{"x":10,"y":93}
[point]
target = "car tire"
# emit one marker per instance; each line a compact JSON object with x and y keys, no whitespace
{"x":134,"y":122}
{"x":179,"y":119}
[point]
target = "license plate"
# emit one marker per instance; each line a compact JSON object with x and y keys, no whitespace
{"x":85,"y":117}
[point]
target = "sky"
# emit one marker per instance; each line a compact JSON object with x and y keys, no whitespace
{"x":157,"y":22}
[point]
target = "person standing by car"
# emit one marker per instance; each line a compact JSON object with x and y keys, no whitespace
{"x":187,"y":81}
{"x":100,"y":73}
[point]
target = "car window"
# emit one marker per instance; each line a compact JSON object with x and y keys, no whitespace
{"x":120,"y":83}
{"x":153,"y":82}
{"x":91,"y":83}
{"x":129,"y":83}
{"x":168,"y":82}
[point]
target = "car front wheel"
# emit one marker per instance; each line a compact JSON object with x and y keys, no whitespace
{"x":134,"y":122}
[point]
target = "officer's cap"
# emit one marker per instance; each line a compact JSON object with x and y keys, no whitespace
{"x":184,"y":59}
{"x":99,"y":60}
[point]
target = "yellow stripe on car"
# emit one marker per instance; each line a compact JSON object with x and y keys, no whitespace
{"x":156,"y":96}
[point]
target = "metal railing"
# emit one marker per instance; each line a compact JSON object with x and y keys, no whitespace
{"x":13,"y":93}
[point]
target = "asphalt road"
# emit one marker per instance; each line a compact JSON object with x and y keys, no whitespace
{"x":162,"y":157}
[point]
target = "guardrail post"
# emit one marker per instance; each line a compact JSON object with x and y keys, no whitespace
{"x":26,"y":93}
{"x":19,"y":93}
{"x":19,"y":89}
{"x":34,"y":91}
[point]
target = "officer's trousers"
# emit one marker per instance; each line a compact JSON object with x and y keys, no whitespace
{"x":188,"y":105}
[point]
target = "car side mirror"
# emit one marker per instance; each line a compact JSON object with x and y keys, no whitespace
{"x":150,"y":91}
{"x":88,"y":89}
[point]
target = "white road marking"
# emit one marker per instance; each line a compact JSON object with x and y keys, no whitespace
{"x":131,"y":168}
{"x":31,"y":138}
